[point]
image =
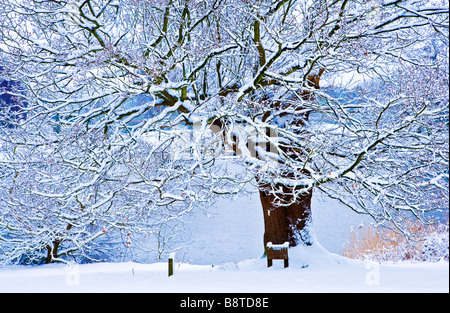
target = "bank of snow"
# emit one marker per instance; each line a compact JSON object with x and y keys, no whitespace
{"x":311,"y":270}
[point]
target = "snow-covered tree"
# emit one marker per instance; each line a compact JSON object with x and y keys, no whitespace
{"x":132,"y":107}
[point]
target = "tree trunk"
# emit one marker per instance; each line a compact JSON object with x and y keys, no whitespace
{"x":288,"y":222}
{"x":52,"y":252}
{"x":287,"y":212}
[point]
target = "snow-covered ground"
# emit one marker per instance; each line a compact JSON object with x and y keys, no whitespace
{"x":225,"y":256}
{"x":311,"y":270}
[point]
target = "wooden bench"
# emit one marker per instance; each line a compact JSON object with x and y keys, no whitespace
{"x":279,"y":252}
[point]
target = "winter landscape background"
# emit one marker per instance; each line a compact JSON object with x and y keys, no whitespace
{"x":131,"y":130}
{"x":222,"y":258}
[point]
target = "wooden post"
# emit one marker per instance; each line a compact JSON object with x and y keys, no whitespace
{"x":171,"y":257}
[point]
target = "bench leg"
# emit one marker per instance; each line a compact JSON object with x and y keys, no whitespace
{"x":269,"y":262}
{"x":286,"y":263}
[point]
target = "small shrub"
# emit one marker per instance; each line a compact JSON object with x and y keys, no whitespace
{"x":425,"y":243}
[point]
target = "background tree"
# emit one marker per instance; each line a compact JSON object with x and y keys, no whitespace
{"x":260,"y":75}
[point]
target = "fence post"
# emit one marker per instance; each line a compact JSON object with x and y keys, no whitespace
{"x":171,"y":257}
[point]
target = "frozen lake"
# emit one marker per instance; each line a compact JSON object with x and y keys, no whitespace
{"x":234,"y":229}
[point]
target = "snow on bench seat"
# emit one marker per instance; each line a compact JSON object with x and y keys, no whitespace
{"x":279,"y":252}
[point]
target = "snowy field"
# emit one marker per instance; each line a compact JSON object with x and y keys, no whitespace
{"x":315,"y":270}
{"x":225,"y":256}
